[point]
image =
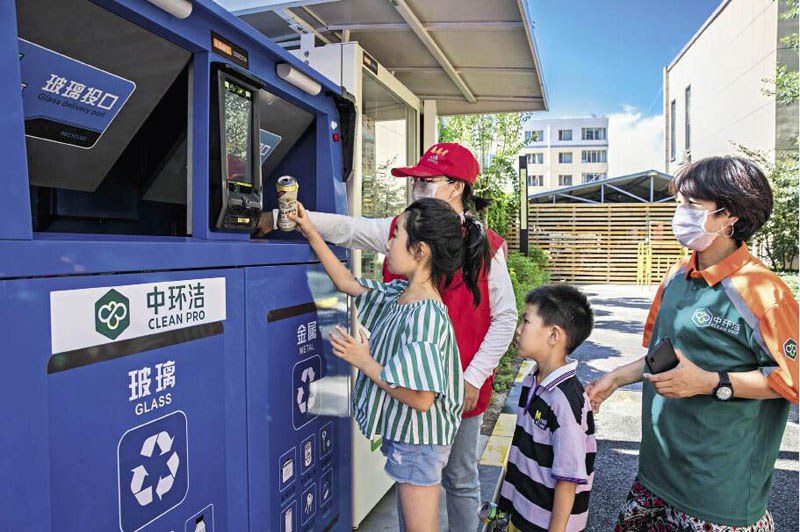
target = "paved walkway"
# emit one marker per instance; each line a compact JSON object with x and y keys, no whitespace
{"x":620,"y":315}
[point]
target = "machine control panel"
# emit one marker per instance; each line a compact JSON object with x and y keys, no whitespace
{"x":235,"y":169}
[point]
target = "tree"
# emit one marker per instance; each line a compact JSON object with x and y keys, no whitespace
{"x":496,"y":140}
{"x":779,"y":236}
{"x":786,"y":85}
{"x":382,"y":194}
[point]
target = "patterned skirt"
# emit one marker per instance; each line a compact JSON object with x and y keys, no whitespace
{"x":644,"y":511}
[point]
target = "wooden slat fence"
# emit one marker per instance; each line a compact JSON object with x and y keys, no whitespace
{"x":599,"y":243}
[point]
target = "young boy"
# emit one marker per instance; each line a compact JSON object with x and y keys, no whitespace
{"x":551,"y":461}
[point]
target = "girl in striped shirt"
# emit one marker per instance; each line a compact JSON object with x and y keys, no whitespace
{"x":410,"y":385}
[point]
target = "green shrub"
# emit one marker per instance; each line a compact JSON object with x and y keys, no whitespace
{"x":526,"y":274}
{"x":790,"y":278}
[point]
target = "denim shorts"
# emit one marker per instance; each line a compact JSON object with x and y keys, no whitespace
{"x":417,"y":464}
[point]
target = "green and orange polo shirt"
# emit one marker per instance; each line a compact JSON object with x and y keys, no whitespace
{"x":715,"y":459}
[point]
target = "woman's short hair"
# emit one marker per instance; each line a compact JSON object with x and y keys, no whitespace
{"x":734,"y":183}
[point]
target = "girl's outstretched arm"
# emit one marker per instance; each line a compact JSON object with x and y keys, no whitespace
{"x":342,"y":277}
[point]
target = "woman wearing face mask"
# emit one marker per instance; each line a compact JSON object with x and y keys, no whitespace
{"x":712,"y":426}
{"x":448,"y":171}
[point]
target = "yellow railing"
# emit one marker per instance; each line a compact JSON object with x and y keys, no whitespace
{"x":652,"y":261}
{"x":599,"y":243}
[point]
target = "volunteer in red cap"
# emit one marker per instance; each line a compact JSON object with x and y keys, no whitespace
{"x":447,"y":171}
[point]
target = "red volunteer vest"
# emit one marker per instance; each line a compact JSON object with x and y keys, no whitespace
{"x":470,"y":324}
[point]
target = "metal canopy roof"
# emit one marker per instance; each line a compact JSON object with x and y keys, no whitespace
{"x":471,"y":56}
{"x":650,"y":186}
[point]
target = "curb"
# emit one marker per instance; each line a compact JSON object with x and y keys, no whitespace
{"x":492,"y":465}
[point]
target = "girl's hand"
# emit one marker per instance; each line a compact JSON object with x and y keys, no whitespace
{"x":303,"y":221}
{"x":351,"y":350}
{"x":684,"y":380}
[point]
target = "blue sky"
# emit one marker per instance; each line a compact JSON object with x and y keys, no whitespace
{"x":599,"y":56}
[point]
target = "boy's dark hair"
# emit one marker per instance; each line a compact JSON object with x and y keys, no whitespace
{"x":453,"y":246}
{"x":567,"y":307}
{"x":735,"y":184}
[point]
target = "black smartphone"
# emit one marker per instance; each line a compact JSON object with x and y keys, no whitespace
{"x":662,"y":357}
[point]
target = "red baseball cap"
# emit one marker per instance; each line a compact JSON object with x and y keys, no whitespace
{"x":446,"y":158}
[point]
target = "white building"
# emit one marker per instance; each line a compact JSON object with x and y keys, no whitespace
{"x":565,"y":152}
{"x":714,"y":89}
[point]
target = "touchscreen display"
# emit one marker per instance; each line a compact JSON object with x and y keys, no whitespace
{"x":238,"y":123}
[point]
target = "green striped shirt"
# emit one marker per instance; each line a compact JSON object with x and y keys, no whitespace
{"x":416,"y":346}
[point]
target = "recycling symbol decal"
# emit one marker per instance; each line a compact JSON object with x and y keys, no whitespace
{"x":305,"y":401}
{"x":304,"y":373}
{"x":144,"y":496}
{"x":152,"y":470}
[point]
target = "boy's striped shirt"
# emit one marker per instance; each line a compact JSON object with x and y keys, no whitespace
{"x":416,"y":346}
{"x":553,"y":440}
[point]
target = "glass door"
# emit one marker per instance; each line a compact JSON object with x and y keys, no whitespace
{"x":388,"y":141}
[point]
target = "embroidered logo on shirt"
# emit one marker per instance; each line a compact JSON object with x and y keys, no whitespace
{"x":790,"y":349}
{"x":703,"y":318}
{"x":538,"y":420}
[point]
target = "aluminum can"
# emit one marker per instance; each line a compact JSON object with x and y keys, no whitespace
{"x":488,"y":512}
{"x":287,"y":202}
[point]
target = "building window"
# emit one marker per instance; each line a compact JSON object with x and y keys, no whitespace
{"x":535,"y":180}
{"x":594,"y":156}
{"x":594,"y":176}
{"x":672,"y":130}
{"x":564,"y":134}
{"x":534,"y":136}
{"x":565,"y":157}
{"x":593,"y":133}
{"x":535,"y":158}
{"x":687,"y":103}
{"x":565,"y":180}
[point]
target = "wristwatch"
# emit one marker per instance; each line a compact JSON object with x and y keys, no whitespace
{"x":724,"y":390}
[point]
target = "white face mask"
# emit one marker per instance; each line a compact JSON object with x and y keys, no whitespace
{"x":689,"y":227}
{"x":424,"y":189}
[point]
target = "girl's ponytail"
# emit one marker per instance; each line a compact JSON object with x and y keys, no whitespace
{"x":477,"y":254}
{"x":457,"y":242}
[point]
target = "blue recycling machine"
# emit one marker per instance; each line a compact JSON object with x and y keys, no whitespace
{"x":158,"y":360}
